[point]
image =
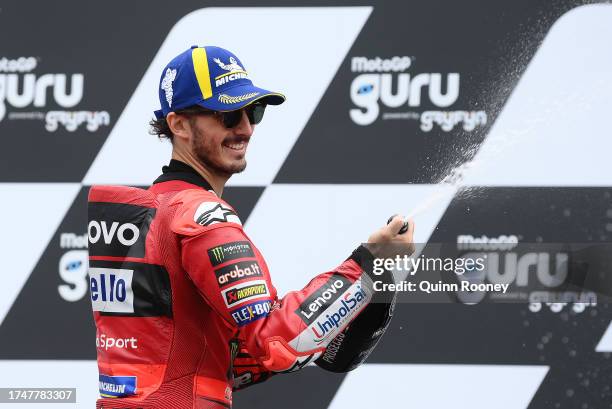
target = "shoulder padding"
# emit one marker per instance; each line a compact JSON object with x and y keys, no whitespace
{"x":122,"y":194}
{"x":200,"y":210}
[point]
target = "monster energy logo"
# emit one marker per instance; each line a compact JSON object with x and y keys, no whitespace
{"x":230,"y":251}
{"x":217,"y":253}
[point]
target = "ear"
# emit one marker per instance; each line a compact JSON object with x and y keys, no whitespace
{"x":179,"y":125}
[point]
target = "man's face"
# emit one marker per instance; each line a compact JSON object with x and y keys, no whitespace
{"x":219,"y":148}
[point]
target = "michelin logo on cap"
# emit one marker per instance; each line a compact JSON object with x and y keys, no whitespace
{"x":166,"y":84}
{"x":212,"y":78}
{"x":235,"y":72}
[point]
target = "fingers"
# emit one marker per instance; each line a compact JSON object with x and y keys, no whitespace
{"x":395,"y":225}
{"x":410,"y":236}
{"x":410,"y":231}
{"x":387,"y":242}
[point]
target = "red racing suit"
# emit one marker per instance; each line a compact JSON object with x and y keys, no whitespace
{"x":180,"y":295}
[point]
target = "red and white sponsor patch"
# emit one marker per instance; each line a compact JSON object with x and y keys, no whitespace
{"x":245,"y":291}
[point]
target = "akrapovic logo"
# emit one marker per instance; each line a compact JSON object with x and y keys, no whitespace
{"x":329,"y":292}
{"x":21,"y":88}
{"x":383,"y":83}
{"x":238,"y":271}
{"x":244,"y":292}
{"x":230,"y":251}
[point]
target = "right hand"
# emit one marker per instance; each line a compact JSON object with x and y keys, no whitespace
{"x":387,"y":242}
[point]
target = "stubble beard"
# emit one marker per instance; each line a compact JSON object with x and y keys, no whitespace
{"x":208,"y":155}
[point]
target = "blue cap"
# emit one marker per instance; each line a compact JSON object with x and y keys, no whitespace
{"x":210,"y":77}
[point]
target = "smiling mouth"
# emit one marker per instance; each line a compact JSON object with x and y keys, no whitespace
{"x":238,"y":146}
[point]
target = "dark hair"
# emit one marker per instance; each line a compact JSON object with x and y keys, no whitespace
{"x":161,"y":128}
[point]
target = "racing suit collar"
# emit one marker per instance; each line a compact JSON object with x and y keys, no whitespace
{"x":177,"y":170}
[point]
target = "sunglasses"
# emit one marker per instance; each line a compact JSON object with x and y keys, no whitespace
{"x":230,"y":119}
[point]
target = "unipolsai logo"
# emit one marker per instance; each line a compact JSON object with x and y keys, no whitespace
{"x":384,"y":89}
{"x":339,"y":313}
{"x":22,"y":88}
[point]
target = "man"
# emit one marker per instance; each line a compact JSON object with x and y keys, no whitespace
{"x":183,"y":302}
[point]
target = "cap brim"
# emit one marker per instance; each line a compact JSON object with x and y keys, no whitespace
{"x":240,"y":96}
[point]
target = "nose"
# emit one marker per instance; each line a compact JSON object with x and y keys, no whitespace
{"x":244,"y":127}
